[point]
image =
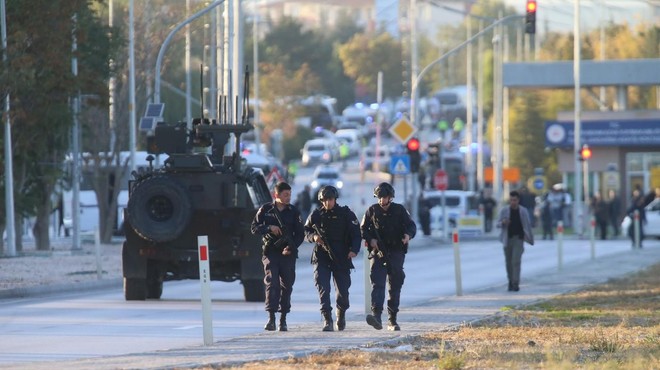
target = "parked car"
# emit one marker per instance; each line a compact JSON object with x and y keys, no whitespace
{"x":458,"y":203}
{"x":368,"y":162}
{"x":325,"y":175}
{"x":318,"y":151}
{"x":652,"y":225}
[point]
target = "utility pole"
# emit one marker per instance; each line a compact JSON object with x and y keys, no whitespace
{"x":75,"y":143}
{"x":468,"y":110}
{"x":111,"y":87}
{"x":10,"y":226}
{"x":131,"y":83}
{"x":577,"y":144}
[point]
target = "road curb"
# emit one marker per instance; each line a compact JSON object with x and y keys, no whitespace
{"x":44,"y":290}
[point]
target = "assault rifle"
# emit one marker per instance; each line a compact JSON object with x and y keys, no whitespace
{"x":383,"y":256}
{"x":285,"y":239}
{"x":324,"y":243}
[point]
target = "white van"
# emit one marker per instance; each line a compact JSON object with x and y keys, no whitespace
{"x":318,"y":151}
{"x":89,"y":208}
{"x":458,"y":204}
{"x":352,"y":138}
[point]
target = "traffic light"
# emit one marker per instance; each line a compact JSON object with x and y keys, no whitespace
{"x":585,"y":153}
{"x":530,"y":17}
{"x":413,"y":153}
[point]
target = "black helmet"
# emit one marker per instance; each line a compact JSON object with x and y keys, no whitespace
{"x":327,"y":192}
{"x":384,"y":190}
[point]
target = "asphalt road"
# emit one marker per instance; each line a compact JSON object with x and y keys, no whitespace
{"x":99,"y":329}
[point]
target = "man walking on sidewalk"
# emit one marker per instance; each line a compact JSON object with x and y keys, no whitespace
{"x":516,"y":229}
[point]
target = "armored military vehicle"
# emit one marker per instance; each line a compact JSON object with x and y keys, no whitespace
{"x":193,"y":194}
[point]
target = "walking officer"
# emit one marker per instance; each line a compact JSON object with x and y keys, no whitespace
{"x":334,"y":230}
{"x":280,"y":225}
{"x":386,"y":228}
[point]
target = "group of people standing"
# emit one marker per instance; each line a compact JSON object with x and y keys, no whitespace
{"x":607,"y":213}
{"x":386,"y":229}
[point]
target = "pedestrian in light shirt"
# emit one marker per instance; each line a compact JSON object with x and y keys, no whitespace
{"x":516,"y":229}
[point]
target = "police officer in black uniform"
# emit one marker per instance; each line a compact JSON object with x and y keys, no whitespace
{"x":386,"y":228}
{"x":280,"y":225}
{"x":334,"y":228}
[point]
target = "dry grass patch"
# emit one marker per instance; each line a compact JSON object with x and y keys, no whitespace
{"x":615,"y":325}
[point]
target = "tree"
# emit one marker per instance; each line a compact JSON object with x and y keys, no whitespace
{"x":39,"y":78}
{"x":280,"y":89}
{"x":526,"y":146}
{"x":363,"y":56}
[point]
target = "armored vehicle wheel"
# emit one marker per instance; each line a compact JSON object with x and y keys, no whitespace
{"x":154,"y":289}
{"x":159,"y":209}
{"x":154,"y":282}
{"x":135,"y":289}
{"x":254,"y":290}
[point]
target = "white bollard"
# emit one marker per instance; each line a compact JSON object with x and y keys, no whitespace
{"x":457,"y":263}
{"x":592,"y":237}
{"x":205,"y":281}
{"x":560,"y":244}
{"x":97,"y":251}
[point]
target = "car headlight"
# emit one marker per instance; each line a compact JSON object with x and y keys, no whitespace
{"x":340,"y":184}
{"x":315,"y":184}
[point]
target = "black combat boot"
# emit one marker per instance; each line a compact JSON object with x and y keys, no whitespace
{"x":392,"y":324}
{"x":341,"y":320}
{"x":374,"y":320}
{"x":270,"y":325}
{"x":283,"y":326}
{"x":327,"y":321}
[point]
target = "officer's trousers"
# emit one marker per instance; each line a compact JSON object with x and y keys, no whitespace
{"x":280,"y":275}
{"x":342,"y":279}
{"x":394,"y":275}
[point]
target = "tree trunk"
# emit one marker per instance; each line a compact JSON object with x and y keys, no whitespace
{"x":2,"y":239}
{"x":41,"y":226}
{"x":18,"y":230}
{"x":106,"y":234}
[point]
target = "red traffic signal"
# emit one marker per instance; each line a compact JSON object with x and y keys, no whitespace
{"x":413,"y":145}
{"x":530,"y":17}
{"x":585,"y":153}
{"x":531,"y":6}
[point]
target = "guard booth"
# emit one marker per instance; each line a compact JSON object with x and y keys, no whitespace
{"x":625,"y":149}
{"x":625,"y":144}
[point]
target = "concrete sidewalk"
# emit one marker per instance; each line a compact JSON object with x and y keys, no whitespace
{"x":434,"y":315}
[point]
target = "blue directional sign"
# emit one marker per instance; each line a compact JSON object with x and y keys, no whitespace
{"x":400,"y":164}
{"x":539,"y":183}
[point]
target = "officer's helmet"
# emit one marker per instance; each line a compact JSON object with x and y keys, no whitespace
{"x":328,"y":192}
{"x":383,"y":190}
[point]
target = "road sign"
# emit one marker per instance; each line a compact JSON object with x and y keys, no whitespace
{"x":539,"y":183}
{"x":400,"y":164}
{"x":440,"y":180}
{"x":403,"y":130}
